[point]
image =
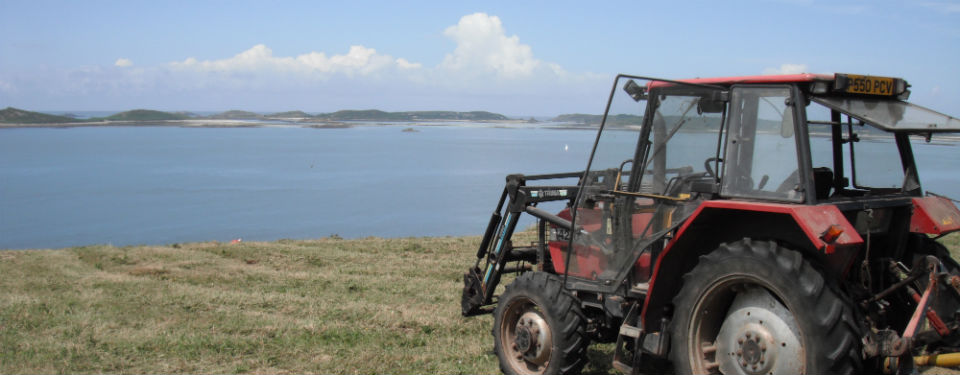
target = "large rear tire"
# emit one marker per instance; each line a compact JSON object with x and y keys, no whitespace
{"x":538,"y":327}
{"x":753,"y":307}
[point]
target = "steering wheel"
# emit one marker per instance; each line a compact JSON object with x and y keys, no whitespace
{"x":708,"y":168}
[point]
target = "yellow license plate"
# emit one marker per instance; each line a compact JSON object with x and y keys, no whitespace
{"x":869,"y":85}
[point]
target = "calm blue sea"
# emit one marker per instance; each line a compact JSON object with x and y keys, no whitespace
{"x":161,"y":185}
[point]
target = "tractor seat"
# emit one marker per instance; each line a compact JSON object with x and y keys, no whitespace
{"x":822,"y":182}
{"x":643,"y":267}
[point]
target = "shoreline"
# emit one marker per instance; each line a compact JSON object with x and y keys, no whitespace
{"x":948,"y":138}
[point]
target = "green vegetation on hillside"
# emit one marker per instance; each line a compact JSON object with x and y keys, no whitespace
{"x":145,"y":115}
{"x":236,"y":115}
{"x":19,"y":116}
{"x":290,"y":114}
{"x":358,"y":115}
{"x":12,"y":115}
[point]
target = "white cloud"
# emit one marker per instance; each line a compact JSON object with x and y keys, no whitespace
{"x":482,"y":44}
{"x":786,"y":69}
{"x":359,"y":60}
{"x":486,"y":70}
{"x":485,"y":59}
{"x":404,"y":64}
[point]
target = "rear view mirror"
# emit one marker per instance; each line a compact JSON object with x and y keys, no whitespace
{"x":706,"y":105}
{"x":635,"y":91}
{"x":786,"y":124}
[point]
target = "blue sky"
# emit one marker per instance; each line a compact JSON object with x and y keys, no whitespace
{"x":533,"y":58}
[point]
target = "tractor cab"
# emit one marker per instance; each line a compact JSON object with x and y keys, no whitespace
{"x":667,"y":146}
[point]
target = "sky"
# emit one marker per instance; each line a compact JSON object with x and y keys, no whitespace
{"x":534,"y":58}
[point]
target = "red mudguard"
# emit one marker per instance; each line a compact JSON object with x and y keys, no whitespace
{"x":934,"y":215}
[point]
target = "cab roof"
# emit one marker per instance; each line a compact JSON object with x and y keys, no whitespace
{"x":879,"y":101}
{"x":781,"y":78}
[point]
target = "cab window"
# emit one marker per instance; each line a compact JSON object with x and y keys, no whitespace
{"x":761,"y":149}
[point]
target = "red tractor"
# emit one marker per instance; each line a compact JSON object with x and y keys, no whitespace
{"x":748,"y":225}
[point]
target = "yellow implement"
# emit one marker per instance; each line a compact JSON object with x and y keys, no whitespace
{"x":940,"y":360}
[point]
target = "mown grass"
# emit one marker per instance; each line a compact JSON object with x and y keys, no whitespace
{"x":320,"y":306}
{"x":323,"y":306}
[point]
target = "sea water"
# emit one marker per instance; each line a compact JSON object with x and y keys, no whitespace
{"x":160,"y":185}
{"x":64,"y":187}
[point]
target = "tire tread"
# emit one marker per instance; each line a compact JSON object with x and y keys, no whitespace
{"x":569,"y":335}
{"x":836,"y":332}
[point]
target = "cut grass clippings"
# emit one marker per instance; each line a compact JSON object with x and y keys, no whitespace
{"x":319,"y":306}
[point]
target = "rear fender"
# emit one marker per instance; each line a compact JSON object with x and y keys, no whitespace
{"x":934,"y":215}
{"x":715,"y":222}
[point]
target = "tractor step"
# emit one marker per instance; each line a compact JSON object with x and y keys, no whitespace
{"x":623,"y":359}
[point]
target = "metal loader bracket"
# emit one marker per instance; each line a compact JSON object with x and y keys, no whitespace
{"x":496,"y":248}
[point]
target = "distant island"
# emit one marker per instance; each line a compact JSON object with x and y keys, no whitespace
{"x":12,"y":115}
{"x":144,"y":115}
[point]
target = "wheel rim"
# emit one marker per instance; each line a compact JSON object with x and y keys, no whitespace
{"x":740,"y":327}
{"x":526,"y":337}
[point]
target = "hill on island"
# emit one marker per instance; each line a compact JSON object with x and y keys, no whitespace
{"x":236,"y":115}
{"x":146,"y":115}
{"x":12,"y":115}
{"x":18,"y":116}
{"x":290,"y":114}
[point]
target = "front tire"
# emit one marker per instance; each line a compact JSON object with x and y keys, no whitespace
{"x":753,"y":307}
{"x":538,"y":327}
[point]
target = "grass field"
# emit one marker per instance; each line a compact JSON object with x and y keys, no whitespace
{"x":321,"y":306}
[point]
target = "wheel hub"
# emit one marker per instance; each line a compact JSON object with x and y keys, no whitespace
{"x":532,"y":340}
{"x":752,"y":353}
{"x":759,"y":336}
{"x":752,"y":350}
{"x":523,"y":340}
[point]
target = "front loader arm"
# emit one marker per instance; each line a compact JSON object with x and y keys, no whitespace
{"x":496,"y":249}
